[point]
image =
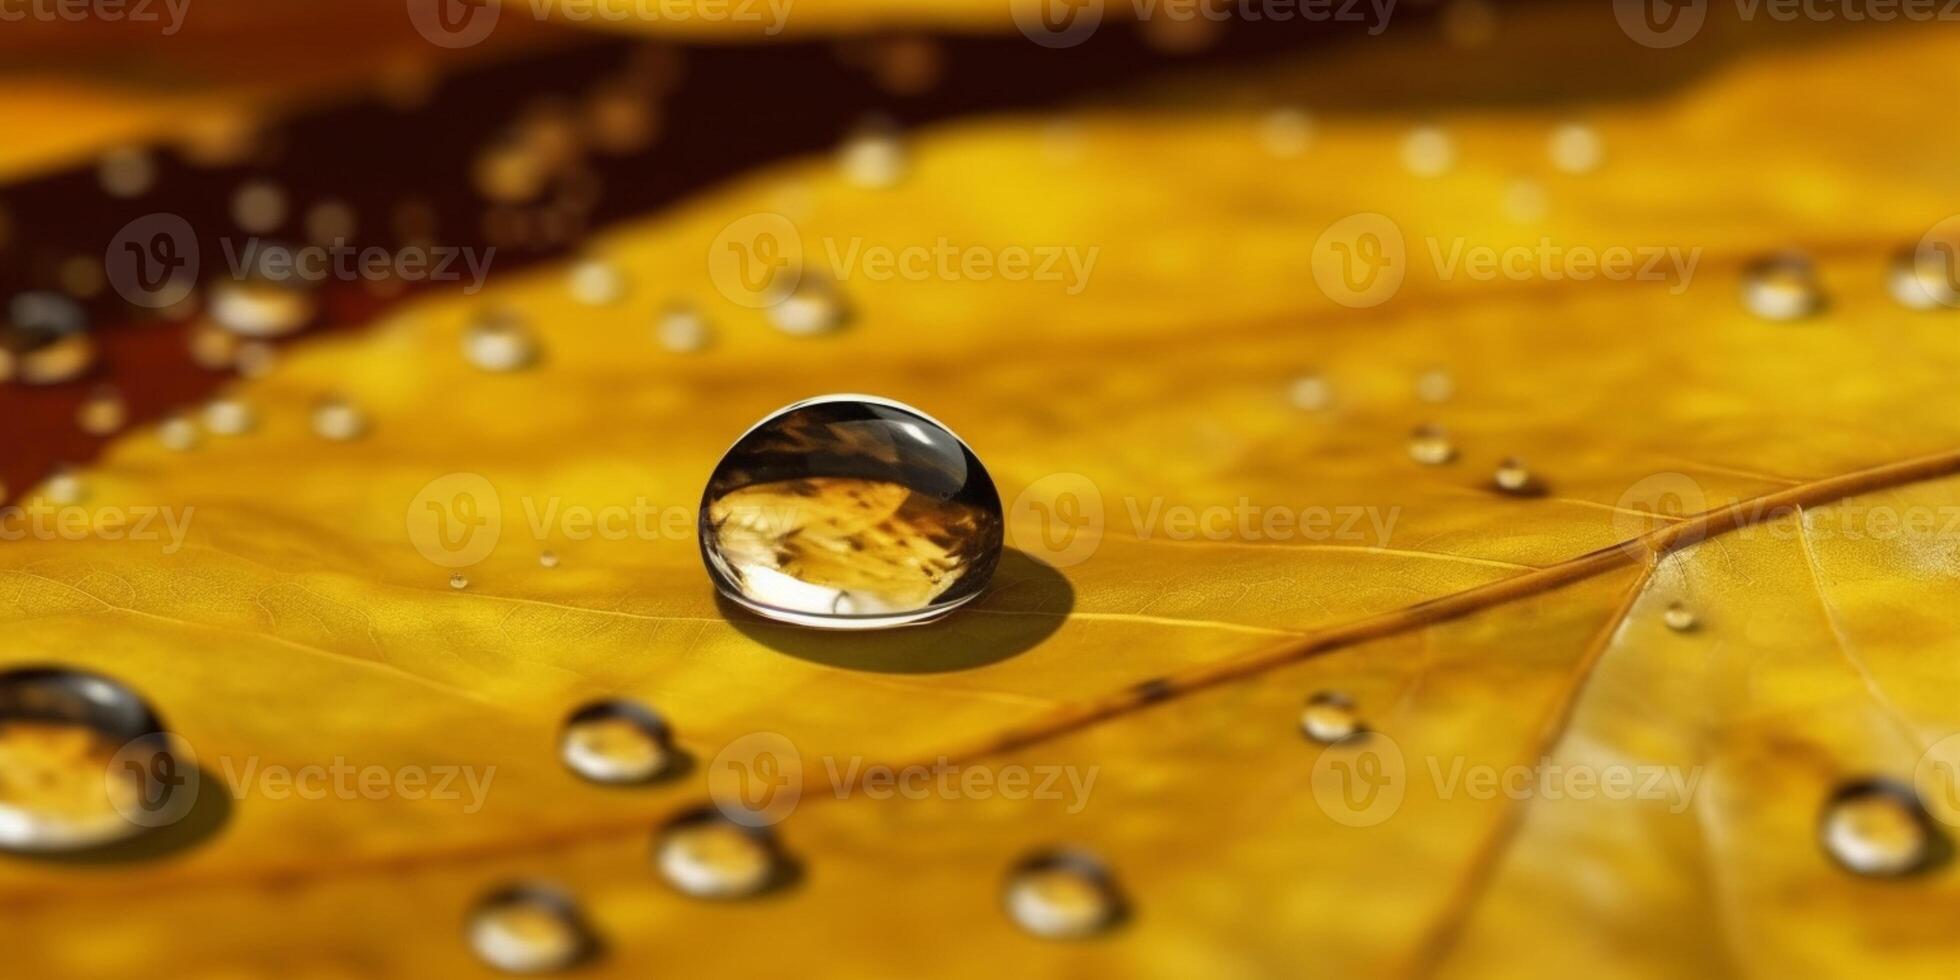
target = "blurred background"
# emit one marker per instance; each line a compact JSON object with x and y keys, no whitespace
{"x":1413,"y":420}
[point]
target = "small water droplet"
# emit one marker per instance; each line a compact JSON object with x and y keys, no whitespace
{"x":548,"y":559}
{"x":64,"y":487}
{"x":1925,"y":278}
{"x":1576,"y":148}
{"x":1311,"y":393}
{"x":1678,"y":617}
{"x":530,"y":928}
{"x":1435,"y":386}
{"x":1285,"y":132}
{"x":617,"y":741}
{"x":103,"y":412}
{"x":1877,"y":828}
{"x":127,"y":171}
{"x":812,"y":308}
{"x":229,"y":417}
{"x":683,"y":330}
{"x":498,"y":342}
{"x":850,"y":503}
{"x":873,"y":156}
{"x":177,"y":433}
{"x":458,"y":581}
{"x":1431,"y":446}
{"x":1062,"y":894}
{"x":1428,"y":151}
{"x":596,"y":282}
{"x":337,"y":419}
{"x":706,"y":855}
{"x":64,"y":736}
{"x":258,"y":306}
{"x":1328,"y":717}
{"x":1781,"y":287}
{"x":259,"y":206}
{"x":1514,"y":478}
{"x":45,"y":340}
{"x":330,"y":223}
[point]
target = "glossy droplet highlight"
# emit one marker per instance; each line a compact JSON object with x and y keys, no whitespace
{"x":64,"y":487}
{"x":596,"y":282}
{"x":849,"y":512}
{"x":1428,"y":151}
{"x":1311,"y":393}
{"x":84,"y":762}
{"x":1514,"y":478}
{"x":499,"y":342}
{"x":530,"y":928}
{"x":548,"y":559}
{"x":1781,"y":287}
{"x":1678,"y":617}
{"x":812,"y":308}
{"x":1877,"y":828}
{"x":458,"y":581}
{"x":873,"y":156}
{"x":1062,"y":894}
{"x":1431,"y":446}
{"x":103,"y":412}
{"x":706,"y":855}
{"x":683,"y":330}
{"x":258,"y":306}
{"x":1576,"y":148}
{"x":229,"y":417}
{"x":338,"y":420}
{"x":1328,"y":717}
{"x":617,"y":741}
{"x":1926,"y":277}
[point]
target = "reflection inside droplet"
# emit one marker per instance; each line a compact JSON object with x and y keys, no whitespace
{"x":850,"y":513}
{"x":1431,"y":446}
{"x":1781,"y":287}
{"x":498,"y":341}
{"x":617,"y":741}
{"x":1678,"y":617}
{"x":1877,"y":828}
{"x":1062,"y":895}
{"x":706,"y":855}
{"x":529,"y":928}
{"x":1926,"y":277}
{"x":82,"y":760}
{"x":1328,"y":717}
{"x":257,"y":306}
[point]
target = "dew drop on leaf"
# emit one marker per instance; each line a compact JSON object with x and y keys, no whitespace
{"x":530,"y":928}
{"x":229,"y":417}
{"x":78,"y":752}
{"x":103,"y":412}
{"x":498,"y":342}
{"x":338,"y":420}
{"x":617,"y":741}
{"x":706,"y":855}
{"x":1431,"y":446}
{"x":1877,"y":828}
{"x":458,"y":581}
{"x":849,"y":512}
{"x":1781,"y":287}
{"x":1328,"y":717}
{"x":683,"y":330}
{"x":1062,"y":894}
{"x":1678,"y":617}
{"x":258,"y":306}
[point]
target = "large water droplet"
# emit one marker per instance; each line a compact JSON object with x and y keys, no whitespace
{"x":530,"y":928}
{"x":849,"y":512}
{"x":1781,"y":287}
{"x":1877,"y":828}
{"x":617,"y":741}
{"x":1328,"y":717}
{"x":706,"y":855}
{"x":1062,"y":894}
{"x":84,"y":761}
{"x":499,"y":341}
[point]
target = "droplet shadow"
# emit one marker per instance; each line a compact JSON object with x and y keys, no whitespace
{"x":1024,"y":604}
